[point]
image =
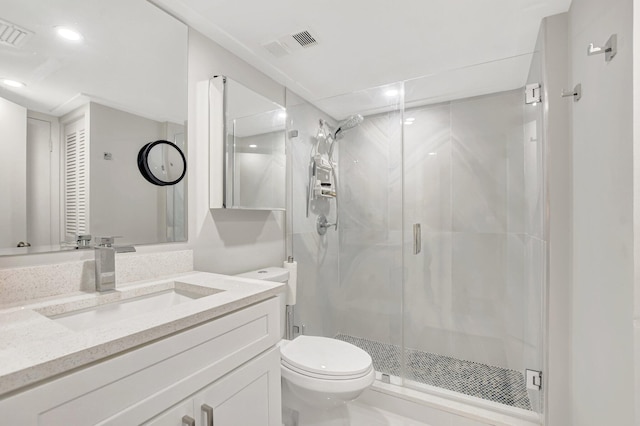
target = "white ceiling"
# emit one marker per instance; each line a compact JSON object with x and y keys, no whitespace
{"x":367,"y":43}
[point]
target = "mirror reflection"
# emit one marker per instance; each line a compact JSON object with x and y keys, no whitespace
{"x":256,"y":157}
{"x":82,"y":89}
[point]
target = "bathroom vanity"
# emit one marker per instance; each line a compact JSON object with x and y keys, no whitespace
{"x":196,"y":349}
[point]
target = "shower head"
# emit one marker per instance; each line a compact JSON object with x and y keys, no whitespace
{"x":347,"y":124}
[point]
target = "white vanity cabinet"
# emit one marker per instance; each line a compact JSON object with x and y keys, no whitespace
{"x":244,"y":397}
{"x":230,"y":364}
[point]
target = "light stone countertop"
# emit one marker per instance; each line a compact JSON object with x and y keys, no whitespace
{"x":34,"y":347}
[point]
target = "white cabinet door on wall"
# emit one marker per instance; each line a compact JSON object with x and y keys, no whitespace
{"x":249,"y":396}
{"x":41,"y":219}
{"x":13,"y":175}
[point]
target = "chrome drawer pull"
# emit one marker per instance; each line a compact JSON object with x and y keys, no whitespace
{"x":208,"y":412}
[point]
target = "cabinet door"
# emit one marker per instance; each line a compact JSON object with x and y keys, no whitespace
{"x":248,"y":396}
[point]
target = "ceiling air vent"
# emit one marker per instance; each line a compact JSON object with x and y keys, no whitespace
{"x":304,"y":38}
{"x":290,"y":43}
{"x":12,"y":35}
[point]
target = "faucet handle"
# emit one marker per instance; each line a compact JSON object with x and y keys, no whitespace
{"x":83,"y":241}
{"x":105,"y":241}
{"x":108,"y":242}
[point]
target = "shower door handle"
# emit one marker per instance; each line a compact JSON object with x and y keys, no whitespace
{"x":417,"y":239}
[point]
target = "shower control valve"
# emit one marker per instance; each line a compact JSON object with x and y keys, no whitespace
{"x":322,"y":224}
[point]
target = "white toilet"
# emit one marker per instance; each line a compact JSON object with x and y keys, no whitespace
{"x":319,"y":374}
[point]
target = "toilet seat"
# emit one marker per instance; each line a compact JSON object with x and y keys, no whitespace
{"x":286,"y":365}
{"x":325,"y":358}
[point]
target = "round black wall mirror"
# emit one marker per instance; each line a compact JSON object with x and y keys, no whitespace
{"x":162,"y":163}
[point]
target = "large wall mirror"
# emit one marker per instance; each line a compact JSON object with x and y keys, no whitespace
{"x":84,"y":85}
{"x":248,"y":148}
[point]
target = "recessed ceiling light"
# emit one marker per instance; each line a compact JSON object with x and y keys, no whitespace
{"x":13,"y":83}
{"x":433,"y":153}
{"x":392,"y":92}
{"x":253,"y":146}
{"x":408,"y":122}
{"x":411,"y":119}
{"x":282,"y":115}
{"x":68,"y":34}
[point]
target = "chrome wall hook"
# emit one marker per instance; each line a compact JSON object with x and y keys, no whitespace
{"x":610,"y":49}
{"x":576,"y":93}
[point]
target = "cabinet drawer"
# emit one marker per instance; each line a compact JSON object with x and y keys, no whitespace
{"x":167,"y":371}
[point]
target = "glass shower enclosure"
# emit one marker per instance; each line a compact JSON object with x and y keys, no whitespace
{"x":437,"y":266}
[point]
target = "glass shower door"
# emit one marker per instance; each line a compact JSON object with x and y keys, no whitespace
{"x":474,"y":268}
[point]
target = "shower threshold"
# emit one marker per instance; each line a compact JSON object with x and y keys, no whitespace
{"x":491,"y":383}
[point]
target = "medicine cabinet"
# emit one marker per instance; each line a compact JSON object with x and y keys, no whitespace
{"x":247,"y":148}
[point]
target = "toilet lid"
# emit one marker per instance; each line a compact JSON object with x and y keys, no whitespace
{"x":326,"y":357}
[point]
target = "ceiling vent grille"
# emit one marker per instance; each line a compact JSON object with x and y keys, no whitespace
{"x":304,"y":38}
{"x":12,"y":35}
{"x":290,"y":43}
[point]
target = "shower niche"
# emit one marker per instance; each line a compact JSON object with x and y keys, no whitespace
{"x":247,"y":158}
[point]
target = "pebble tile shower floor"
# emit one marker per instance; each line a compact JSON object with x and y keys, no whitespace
{"x":470,"y":378}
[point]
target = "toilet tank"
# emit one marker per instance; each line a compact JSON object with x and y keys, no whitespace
{"x":275,"y":274}
{"x":272,"y":273}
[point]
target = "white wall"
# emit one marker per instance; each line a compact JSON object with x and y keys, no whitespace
{"x":226,"y":241}
{"x":13,"y":174}
{"x":602,"y":124}
{"x":557,"y":119}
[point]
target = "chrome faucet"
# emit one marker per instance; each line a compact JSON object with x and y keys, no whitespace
{"x":105,"y":253}
{"x":83,"y":241}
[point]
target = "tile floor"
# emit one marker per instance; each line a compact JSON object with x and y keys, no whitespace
{"x":470,"y":378}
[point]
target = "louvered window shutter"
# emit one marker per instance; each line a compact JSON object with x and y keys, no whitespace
{"x":76,"y":180}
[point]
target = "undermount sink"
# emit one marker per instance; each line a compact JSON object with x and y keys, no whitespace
{"x":127,"y":305}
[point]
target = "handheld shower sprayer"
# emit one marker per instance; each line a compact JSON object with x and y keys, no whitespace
{"x":348,"y":124}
